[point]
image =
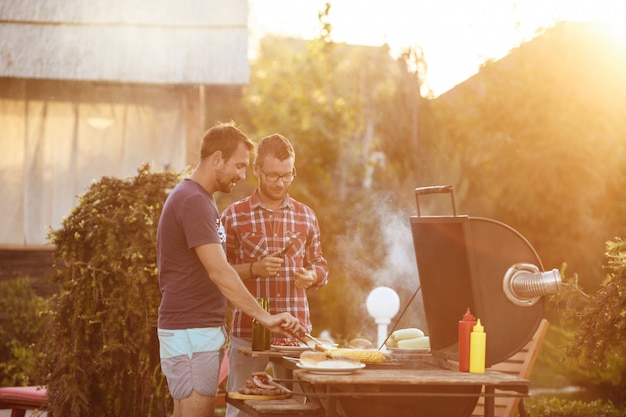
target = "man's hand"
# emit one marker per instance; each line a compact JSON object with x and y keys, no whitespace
{"x":283,"y":323}
{"x":305,"y":278}
{"x":268,"y":266}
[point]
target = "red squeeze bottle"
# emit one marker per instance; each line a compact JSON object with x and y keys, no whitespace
{"x":465,"y":330}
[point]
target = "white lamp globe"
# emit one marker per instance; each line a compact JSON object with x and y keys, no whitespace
{"x":382,"y":304}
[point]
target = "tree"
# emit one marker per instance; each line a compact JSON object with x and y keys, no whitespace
{"x":599,"y":343}
{"x":100,"y":352}
{"x":541,"y":147}
{"x":536,"y":140}
{"x":344,"y":108}
{"x":20,"y":328}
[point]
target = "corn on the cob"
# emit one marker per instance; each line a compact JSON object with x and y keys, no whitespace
{"x":363,"y":355}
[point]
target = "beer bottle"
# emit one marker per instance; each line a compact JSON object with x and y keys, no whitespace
{"x":258,"y":332}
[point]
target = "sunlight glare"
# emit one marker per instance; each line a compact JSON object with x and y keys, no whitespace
{"x":616,"y":26}
{"x":457,"y":36}
{"x":610,"y":13}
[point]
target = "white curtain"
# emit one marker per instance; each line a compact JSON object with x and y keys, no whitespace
{"x":55,"y":142}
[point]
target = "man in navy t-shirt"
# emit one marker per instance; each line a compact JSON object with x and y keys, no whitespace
{"x":196,"y":279}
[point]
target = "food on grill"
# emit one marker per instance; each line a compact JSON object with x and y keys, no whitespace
{"x":363,"y":355}
{"x":410,"y":333}
{"x":259,"y":385}
{"x":415,"y":343}
{"x":324,"y":348}
{"x":286,"y":342}
{"x":325,"y":342}
{"x":360,"y":343}
{"x":310,"y":358}
{"x":410,"y":338}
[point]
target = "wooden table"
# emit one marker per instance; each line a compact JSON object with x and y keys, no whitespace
{"x":409,"y":391}
{"x":388,"y":389}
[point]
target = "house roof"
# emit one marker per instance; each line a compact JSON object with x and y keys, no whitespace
{"x":139,"y":41}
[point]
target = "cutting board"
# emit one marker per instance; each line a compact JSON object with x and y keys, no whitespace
{"x":238,"y":396}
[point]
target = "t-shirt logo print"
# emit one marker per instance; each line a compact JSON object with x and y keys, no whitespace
{"x":220,"y":230}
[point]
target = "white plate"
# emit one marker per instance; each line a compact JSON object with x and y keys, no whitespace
{"x":300,"y":348}
{"x":324,"y":370}
{"x":409,"y":350}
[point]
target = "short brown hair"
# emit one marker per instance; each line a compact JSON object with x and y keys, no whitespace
{"x":276,"y":145}
{"x":224,"y":137}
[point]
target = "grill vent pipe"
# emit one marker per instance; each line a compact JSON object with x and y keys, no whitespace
{"x":524,"y":284}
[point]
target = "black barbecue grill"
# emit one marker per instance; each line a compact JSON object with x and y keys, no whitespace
{"x":462,"y":262}
{"x":484,"y":265}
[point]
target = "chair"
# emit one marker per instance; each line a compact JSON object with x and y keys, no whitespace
{"x":20,"y":399}
{"x":520,"y":364}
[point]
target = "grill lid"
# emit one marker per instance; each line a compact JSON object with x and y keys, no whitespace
{"x":482,"y":264}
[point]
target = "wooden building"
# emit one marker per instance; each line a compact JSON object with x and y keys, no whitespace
{"x":99,"y":87}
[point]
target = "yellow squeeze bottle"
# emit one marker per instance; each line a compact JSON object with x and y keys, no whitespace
{"x":478,"y":345}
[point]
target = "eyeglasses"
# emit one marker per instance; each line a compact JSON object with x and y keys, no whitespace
{"x":275,"y":177}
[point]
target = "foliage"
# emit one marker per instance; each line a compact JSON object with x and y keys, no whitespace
{"x":20,"y":327}
{"x":101,"y":355}
{"x":551,"y":371}
{"x":599,"y":342}
{"x":605,"y":315}
{"x":555,"y":407}
{"x":590,"y":332}
{"x":344,"y":108}
{"x":541,"y":147}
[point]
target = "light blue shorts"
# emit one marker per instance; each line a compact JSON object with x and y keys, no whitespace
{"x":190,"y":360}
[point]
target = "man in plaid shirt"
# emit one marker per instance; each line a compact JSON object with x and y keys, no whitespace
{"x":258,"y":229}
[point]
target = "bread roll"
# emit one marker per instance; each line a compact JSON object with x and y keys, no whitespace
{"x":392,"y":343}
{"x":361,"y":344}
{"x":415,"y":343}
{"x":310,"y":358}
{"x":409,"y":333}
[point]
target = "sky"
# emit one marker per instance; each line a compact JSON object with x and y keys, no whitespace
{"x":457,"y":36}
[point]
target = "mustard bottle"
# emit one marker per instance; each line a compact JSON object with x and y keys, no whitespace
{"x":478,"y":345}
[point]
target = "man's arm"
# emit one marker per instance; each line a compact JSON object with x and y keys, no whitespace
{"x":314,"y":262}
{"x":225,"y":277}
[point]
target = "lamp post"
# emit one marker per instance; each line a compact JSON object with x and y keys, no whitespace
{"x":382,"y":304}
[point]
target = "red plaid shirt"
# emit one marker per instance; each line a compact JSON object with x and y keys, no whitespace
{"x":253,"y":232}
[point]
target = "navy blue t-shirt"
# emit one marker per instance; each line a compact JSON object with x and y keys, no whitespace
{"x":189,"y":298}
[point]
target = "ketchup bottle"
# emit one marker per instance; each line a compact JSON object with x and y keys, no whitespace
{"x":465,"y":330}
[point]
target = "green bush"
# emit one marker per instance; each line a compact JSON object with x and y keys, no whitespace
{"x":20,"y":327}
{"x":101,"y":353}
{"x":597,"y":348}
{"x":555,"y":407}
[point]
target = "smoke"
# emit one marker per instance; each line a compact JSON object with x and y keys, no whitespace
{"x":398,"y":268}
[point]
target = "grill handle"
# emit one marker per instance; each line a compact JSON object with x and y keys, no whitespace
{"x":435,"y":189}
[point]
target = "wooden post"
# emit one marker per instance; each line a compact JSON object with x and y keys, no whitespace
{"x":194,"y":123}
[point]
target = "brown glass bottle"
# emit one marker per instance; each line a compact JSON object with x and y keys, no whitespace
{"x":260,"y":335}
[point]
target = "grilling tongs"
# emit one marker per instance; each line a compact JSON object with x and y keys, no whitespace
{"x":287,"y":246}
